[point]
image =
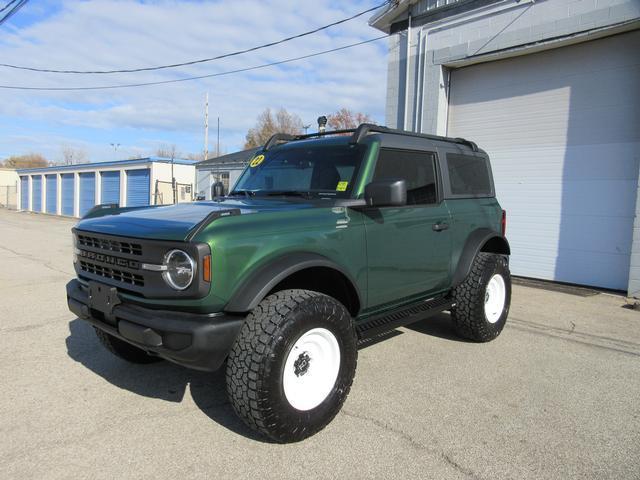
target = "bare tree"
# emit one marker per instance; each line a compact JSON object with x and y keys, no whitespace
{"x":167,"y":151}
{"x":73,"y":156}
{"x":268,"y":124}
{"x":345,"y":119}
{"x":30,"y":160}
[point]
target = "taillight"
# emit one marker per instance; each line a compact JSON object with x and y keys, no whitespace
{"x":206,"y":268}
{"x":503,"y":223}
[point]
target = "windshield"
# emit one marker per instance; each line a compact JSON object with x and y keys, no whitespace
{"x":306,"y":171}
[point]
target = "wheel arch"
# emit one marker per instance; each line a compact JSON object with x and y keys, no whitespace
{"x":303,"y":270}
{"x":480,"y":240}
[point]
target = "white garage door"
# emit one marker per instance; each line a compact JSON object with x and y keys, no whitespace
{"x":562,"y":128}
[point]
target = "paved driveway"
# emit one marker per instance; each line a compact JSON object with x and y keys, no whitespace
{"x":557,"y":395}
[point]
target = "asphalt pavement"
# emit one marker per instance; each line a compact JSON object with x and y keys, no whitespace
{"x":557,"y":395}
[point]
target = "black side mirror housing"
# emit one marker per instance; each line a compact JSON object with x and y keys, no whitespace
{"x":386,"y":193}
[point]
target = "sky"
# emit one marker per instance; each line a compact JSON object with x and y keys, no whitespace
{"x":106,"y":34}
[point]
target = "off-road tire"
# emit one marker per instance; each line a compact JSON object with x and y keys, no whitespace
{"x":255,"y":366}
{"x":468,"y":314}
{"x":124,"y":350}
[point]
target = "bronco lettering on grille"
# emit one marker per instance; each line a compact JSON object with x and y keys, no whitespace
{"x":110,"y":260}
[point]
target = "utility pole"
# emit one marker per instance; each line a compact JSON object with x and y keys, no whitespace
{"x":206,"y":127}
{"x":306,"y":127}
{"x":218,"y":143}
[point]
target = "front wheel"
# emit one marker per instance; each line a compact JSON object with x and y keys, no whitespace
{"x":482,"y":300}
{"x":292,"y":365}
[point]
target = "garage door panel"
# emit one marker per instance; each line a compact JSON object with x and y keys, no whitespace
{"x":24,"y":193}
{"x":110,"y":187}
{"x":68,"y":193}
{"x":87,"y":192}
{"x":138,"y":187}
{"x":52,"y":194}
{"x":562,"y":128}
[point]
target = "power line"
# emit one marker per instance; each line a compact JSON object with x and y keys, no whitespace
{"x":202,"y":60}
{"x":8,"y":5}
{"x":17,"y":6}
{"x":187,"y":79}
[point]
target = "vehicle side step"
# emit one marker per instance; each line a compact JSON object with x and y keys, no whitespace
{"x":414,"y":312}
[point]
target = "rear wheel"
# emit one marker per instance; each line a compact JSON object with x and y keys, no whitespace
{"x":482,"y":301}
{"x":124,"y":350}
{"x":292,"y":365}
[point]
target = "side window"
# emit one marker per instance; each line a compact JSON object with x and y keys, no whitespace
{"x":468,"y":175}
{"x":417,"y":168}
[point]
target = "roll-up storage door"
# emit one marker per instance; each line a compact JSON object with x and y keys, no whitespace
{"x":36,"y":193}
{"x":68,"y":193}
{"x":110,"y":187}
{"x":138,"y":187}
{"x":87,"y":192}
{"x":24,"y":193}
{"x":52,"y":194}
{"x":563,"y":133}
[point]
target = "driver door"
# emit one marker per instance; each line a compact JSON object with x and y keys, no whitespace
{"x":408,"y":247}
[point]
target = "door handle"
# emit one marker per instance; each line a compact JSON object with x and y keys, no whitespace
{"x":440,"y":226}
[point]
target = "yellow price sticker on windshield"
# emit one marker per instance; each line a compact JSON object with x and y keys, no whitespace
{"x":342,"y":186}
{"x":256,"y":161}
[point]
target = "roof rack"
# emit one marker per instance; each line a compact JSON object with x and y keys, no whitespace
{"x":357,"y":134}
{"x":366,"y":128}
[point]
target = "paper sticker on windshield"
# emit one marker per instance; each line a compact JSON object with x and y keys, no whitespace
{"x":342,"y":186}
{"x":256,"y":161}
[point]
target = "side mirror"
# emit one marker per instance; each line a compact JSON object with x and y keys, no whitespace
{"x":386,"y":193}
{"x":218,"y":190}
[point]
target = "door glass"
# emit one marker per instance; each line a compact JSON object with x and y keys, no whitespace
{"x":416,"y":168}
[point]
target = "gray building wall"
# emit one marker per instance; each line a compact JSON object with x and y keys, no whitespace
{"x":492,"y":31}
{"x":497,"y":30}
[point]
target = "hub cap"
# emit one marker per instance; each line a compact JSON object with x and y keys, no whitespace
{"x":311,"y":369}
{"x":494,"y":298}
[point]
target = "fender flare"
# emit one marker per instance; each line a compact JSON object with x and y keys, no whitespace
{"x":476,"y":240}
{"x":259,"y":283}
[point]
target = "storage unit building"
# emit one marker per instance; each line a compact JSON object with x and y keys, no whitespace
{"x":550,"y":90}
{"x":72,"y":190}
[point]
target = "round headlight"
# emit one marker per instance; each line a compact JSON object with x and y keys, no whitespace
{"x":181,"y":269}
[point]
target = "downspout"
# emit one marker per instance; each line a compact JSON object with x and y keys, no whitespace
{"x":406,"y":84}
{"x":419,"y":78}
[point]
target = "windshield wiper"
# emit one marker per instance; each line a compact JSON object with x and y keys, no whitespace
{"x":287,"y":193}
{"x":246,"y":193}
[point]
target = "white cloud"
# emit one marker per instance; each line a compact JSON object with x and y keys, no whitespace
{"x":100,"y":34}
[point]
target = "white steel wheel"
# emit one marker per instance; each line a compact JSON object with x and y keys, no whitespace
{"x":494,"y":298}
{"x":311,"y":369}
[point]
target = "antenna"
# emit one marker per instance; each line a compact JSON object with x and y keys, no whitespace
{"x":206,"y":127}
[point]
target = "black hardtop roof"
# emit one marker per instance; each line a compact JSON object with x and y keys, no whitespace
{"x":358,"y":134}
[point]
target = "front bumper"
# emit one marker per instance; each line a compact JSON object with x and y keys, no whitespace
{"x":199,"y":341}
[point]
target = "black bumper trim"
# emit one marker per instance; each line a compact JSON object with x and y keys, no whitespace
{"x":198,"y":341}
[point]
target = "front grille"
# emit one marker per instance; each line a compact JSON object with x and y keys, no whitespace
{"x":110,"y":245}
{"x":112,"y":273}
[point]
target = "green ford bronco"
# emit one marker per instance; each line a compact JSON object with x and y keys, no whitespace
{"x":325,"y":241}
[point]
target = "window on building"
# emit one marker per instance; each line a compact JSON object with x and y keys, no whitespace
{"x":468,"y":175}
{"x":417,"y":168}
